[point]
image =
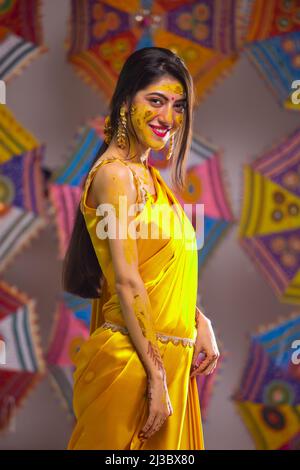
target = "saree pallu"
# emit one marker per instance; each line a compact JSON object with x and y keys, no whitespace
{"x":110,"y":383}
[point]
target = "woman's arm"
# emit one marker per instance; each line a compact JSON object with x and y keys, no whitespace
{"x":112,"y":182}
{"x":199,"y":316}
{"x":205,"y":343}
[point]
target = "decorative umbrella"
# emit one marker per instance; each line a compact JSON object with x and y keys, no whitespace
{"x":21,"y":38}
{"x":272,"y":44}
{"x":269,"y":225}
{"x":14,"y":139}
{"x":23,"y":365}
{"x":205,"y":186}
{"x":273,"y":18}
{"x":66,"y":183}
{"x":70,"y":330}
{"x":206,"y":35}
{"x":268,"y":396}
{"x":278,"y":61}
{"x":65,"y":200}
{"x":22,"y":211}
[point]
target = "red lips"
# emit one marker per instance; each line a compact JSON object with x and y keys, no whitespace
{"x":159,"y":131}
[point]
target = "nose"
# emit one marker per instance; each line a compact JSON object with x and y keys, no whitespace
{"x":166,"y":115}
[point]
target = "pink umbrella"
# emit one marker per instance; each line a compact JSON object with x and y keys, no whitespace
{"x":23,"y":362}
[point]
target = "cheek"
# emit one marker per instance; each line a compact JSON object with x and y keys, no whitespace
{"x":141,"y":117}
{"x":179,"y":120}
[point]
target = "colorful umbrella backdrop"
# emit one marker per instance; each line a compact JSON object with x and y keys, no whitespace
{"x":70,"y":330}
{"x":272,"y":18}
{"x":268,"y":396}
{"x":22,"y":201}
{"x":272,"y":44}
{"x":23,"y":364}
{"x":21,"y":37}
{"x":65,"y":186}
{"x":205,"y":186}
{"x":207,"y":35}
{"x":278,"y":61}
{"x":269,"y":225}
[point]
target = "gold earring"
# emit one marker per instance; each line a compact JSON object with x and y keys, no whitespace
{"x":171,"y":144}
{"x":121,"y":131}
{"x":107,"y":130}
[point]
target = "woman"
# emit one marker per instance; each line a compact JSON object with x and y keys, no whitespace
{"x":134,"y":383}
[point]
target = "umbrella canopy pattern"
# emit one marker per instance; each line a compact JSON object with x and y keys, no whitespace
{"x":205,"y":186}
{"x":23,"y":366}
{"x":269,"y":225}
{"x":272,"y":45}
{"x":272,"y":18}
{"x":22,"y":201}
{"x":64,"y":200}
{"x":14,"y":139}
{"x":268,"y":396}
{"x":21,"y":38}
{"x":70,"y":330}
{"x":66,"y":183}
{"x":278,"y":61}
{"x":206,"y":35}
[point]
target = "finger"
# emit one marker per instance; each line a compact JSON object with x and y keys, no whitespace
{"x":155,"y":428}
{"x":195,"y":355}
{"x":202,"y":364}
{"x":207,"y":362}
{"x":204,"y":370}
{"x":155,"y":425}
{"x":210,"y":369}
{"x":148,"y":423}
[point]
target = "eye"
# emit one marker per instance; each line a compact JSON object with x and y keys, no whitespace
{"x":181,"y":106}
{"x":155,"y":99}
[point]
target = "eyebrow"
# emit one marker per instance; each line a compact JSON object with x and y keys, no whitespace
{"x":163,"y":96}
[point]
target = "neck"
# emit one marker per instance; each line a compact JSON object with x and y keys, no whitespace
{"x":134,"y":152}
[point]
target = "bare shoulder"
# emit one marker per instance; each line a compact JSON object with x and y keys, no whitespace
{"x":111,"y":172}
{"x":113,"y":177}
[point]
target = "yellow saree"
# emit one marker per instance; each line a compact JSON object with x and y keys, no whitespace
{"x":110,"y":383}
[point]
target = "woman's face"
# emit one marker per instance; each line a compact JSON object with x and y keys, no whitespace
{"x":158,"y":112}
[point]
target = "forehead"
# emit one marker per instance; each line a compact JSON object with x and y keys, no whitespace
{"x":168,"y":86}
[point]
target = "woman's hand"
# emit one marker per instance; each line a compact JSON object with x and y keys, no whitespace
{"x":205,"y":343}
{"x":160,"y":407}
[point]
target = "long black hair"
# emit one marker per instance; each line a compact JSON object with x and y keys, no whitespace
{"x":82,"y":274}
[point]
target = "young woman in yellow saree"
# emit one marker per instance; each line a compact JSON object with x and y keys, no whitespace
{"x":134,"y":383}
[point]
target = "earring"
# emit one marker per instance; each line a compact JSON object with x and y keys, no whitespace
{"x":107,"y":130}
{"x":121,"y":131}
{"x":170,"y":150}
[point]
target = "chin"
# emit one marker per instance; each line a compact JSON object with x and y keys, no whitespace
{"x":158,"y":146}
